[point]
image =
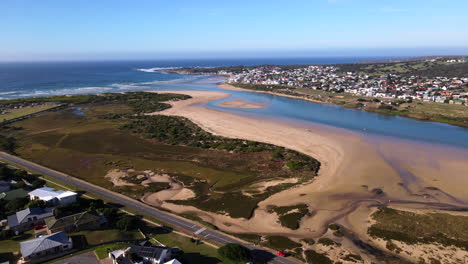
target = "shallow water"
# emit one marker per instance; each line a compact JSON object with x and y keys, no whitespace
{"x":364,"y":123}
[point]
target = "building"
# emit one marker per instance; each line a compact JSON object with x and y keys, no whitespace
{"x":28,"y":218}
{"x":45,"y":247}
{"x":51,"y":196}
{"x":75,"y":223}
{"x":137,"y":254}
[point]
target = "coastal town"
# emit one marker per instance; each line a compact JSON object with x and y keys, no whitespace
{"x":330,"y":78}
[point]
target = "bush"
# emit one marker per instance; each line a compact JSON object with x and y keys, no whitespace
{"x":127,"y":222}
{"x":295,"y":165}
{"x":6,"y":234}
{"x":36,"y":204}
{"x":314,"y":257}
{"x":235,"y":252}
{"x":281,"y":243}
{"x":328,"y":242}
{"x":16,"y":204}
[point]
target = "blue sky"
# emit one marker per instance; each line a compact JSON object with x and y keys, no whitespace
{"x":152,"y":29}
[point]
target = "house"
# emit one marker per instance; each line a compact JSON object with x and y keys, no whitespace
{"x":137,"y":254}
{"x":28,"y":218}
{"x":45,"y":247}
{"x":48,"y":194}
{"x":75,"y":223}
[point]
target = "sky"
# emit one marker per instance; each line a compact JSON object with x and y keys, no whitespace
{"x":161,"y":29}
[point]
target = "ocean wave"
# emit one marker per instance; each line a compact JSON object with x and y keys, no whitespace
{"x":157,"y":69}
{"x":9,"y":92}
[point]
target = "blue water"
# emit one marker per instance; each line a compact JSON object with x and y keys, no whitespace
{"x":44,"y":79}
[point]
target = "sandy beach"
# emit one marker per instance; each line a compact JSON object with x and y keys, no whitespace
{"x":352,"y":167}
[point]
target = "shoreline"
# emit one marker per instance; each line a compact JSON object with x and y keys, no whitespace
{"x":344,"y":183}
{"x":226,"y":86}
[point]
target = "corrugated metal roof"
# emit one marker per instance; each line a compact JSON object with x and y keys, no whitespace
{"x":43,"y":243}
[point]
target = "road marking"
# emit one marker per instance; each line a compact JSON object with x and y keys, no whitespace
{"x":200,"y":230}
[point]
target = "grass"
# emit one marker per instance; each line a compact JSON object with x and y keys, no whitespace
{"x":97,"y":237}
{"x":88,"y":146}
{"x":10,"y":246}
{"x":193,"y":253}
{"x":28,"y":110}
{"x":102,"y":251}
{"x":412,"y":228}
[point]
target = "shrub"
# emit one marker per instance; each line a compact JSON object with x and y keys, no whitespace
{"x":328,"y":242}
{"x":16,"y":204}
{"x":127,"y":222}
{"x":315,"y":257}
{"x":36,"y":204}
{"x":6,"y":234}
{"x":281,"y":243}
{"x":295,"y":165}
{"x":235,"y":252}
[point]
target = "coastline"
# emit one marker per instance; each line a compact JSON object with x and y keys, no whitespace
{"x":352,"y":167}
{"x":227,"y":86}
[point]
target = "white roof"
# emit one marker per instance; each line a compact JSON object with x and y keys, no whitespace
{"x":174,"y":261}
{"x":47,"y":193}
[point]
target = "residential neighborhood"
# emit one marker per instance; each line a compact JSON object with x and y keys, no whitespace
{"x":45,"y":223}
{"x":329,"y":78}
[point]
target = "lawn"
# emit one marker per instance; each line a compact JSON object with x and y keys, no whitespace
{"x":15,"y":113}
{"x":9,"y":246}
{"x":193,"y":253}
{"x":102,"y":251}
{"x":97,"y":237}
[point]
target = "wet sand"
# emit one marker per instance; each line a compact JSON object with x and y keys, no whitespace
{"x":352,"y":166}
{"x":239,"y":103}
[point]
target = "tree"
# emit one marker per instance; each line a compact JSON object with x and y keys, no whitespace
{"x":127,"y":222}
{"x":109,"y":213}
{"x":16,"y":204}
{"x":235,"y":252}
{"x":37,"y":204}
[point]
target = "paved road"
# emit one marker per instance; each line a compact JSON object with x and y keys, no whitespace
{"x":196,"y":229}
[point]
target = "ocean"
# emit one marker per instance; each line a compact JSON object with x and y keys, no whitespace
{"x":45,"y":79}
{"x":20,"y":79}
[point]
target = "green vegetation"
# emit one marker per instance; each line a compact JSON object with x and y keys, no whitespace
{"x":423,"y":68}
{"x":10,"y":246}
{"x":112,"y":132}
{"x":412,"y":228}
{"x":25,"y":111}
{"x":327,"y":242}
{"x":102,"y":251}
{"x":105,"y":236}
{"x":235,"y":252}
{"x":290,"y":216}
{"x":7,"y":144}
{"x":280,"y":243}
{"x":315,"y":257}
{"x":194,"y":253}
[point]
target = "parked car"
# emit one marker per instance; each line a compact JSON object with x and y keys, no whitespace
{"x":281,"y":253}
